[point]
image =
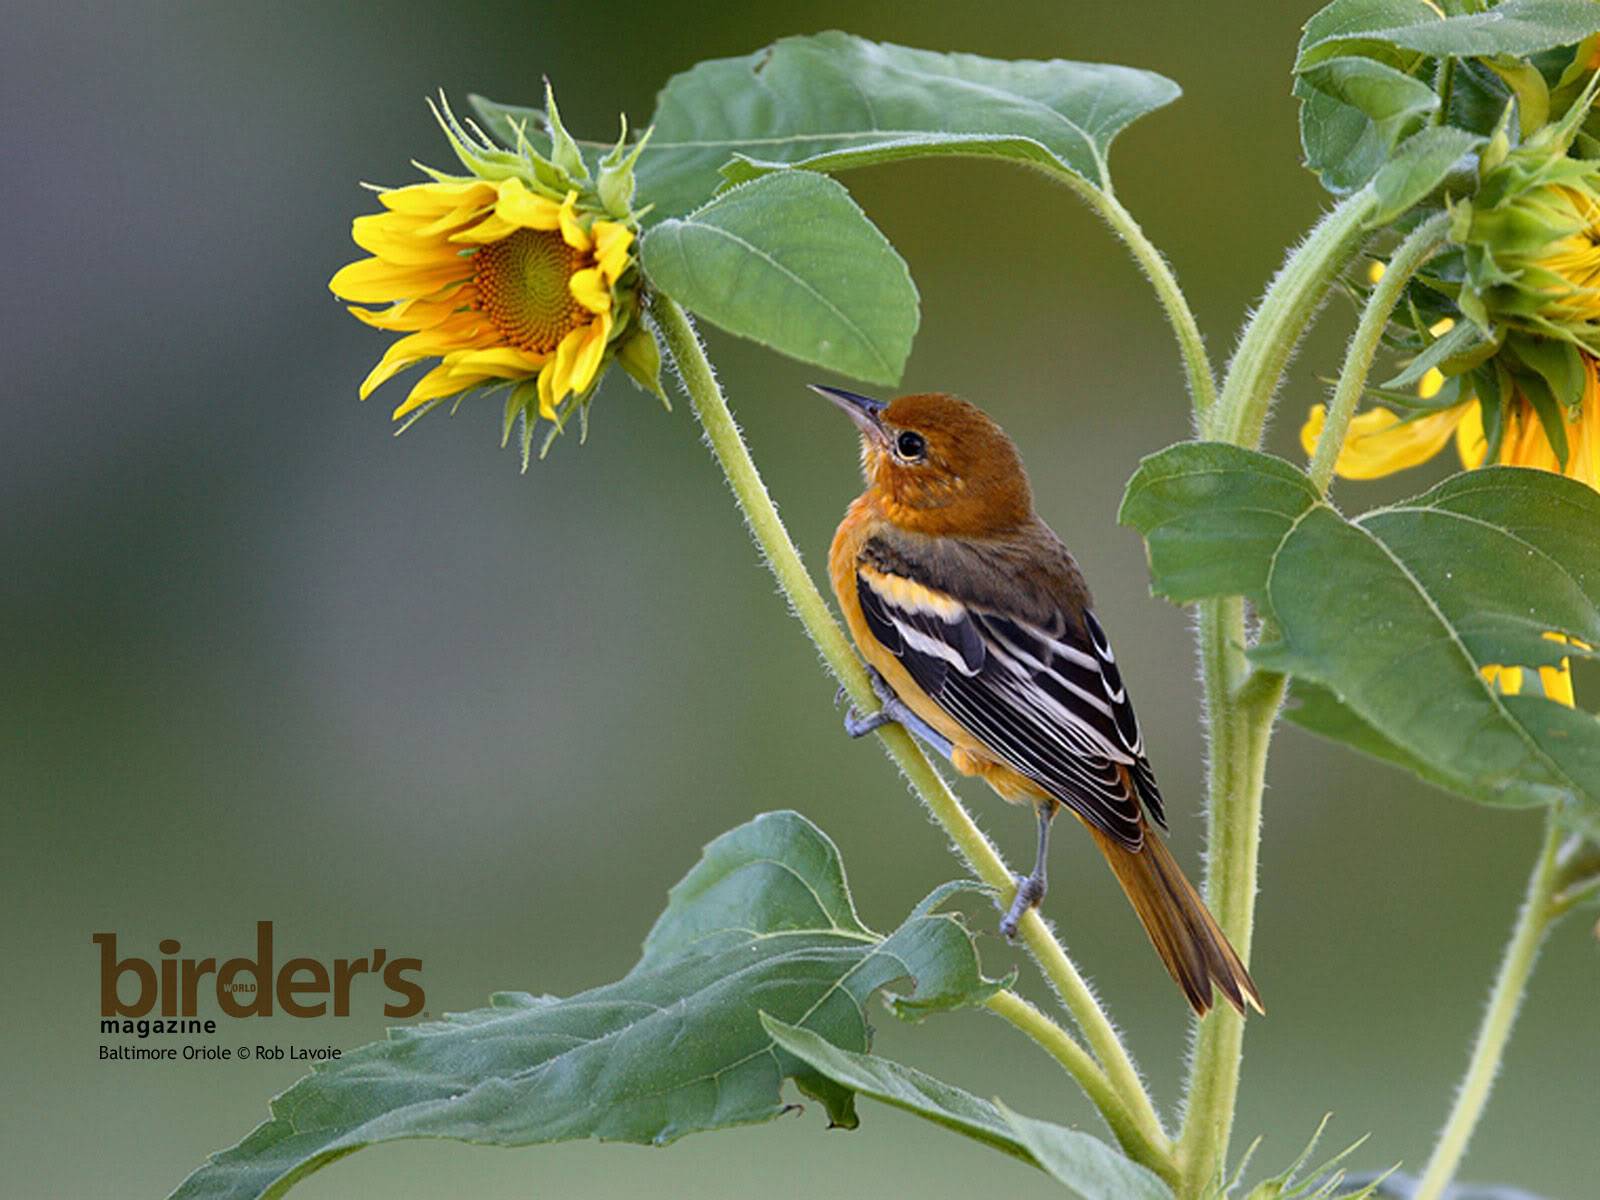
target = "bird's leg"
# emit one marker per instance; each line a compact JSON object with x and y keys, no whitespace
{"x":893,"y":712}
{"x":1030,"y":888}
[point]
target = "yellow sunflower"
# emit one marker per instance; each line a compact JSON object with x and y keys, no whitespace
{"x":496,"y":281}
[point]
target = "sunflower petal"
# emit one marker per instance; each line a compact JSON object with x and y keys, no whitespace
{"x":591,"y":348}
{"x":503,"y":362}
{"x":1508,"y":679}
{"x":572,"y":232}
{"x":373,"y":281}
{"x":1380,"y":443}
{"x":1472,"y":445}
{"x":547,"y":396}
{"x":590,"y":289}
{"x":436,"y":383}
{"x":611,"y":243}
{"x":432,"y":199}
{"x":522,"y":209}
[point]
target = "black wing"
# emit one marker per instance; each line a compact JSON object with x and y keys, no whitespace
{"x":1047,"y":702}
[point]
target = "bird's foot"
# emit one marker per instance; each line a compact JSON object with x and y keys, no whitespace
{"x":857,"y":725}
{"x":1030,"y":890}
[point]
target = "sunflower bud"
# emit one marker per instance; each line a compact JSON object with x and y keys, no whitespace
{"x":1530,"y":239}
{"x":520,"y":276}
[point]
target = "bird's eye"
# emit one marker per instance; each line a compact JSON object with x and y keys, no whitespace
{"x":911,"y":446}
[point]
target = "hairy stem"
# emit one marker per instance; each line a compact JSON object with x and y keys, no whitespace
{"x":779,"y":551}
{"x":1079,"y":1064}
{"x":1196,"y":363}
{"x":1533,"y":922}
{"x":1241,"y":706}
{"x":1363,"y":348}
{"x":1292,"y":300}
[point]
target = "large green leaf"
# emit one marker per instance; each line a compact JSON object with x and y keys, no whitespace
{"x":790,"y":261}
{"x":1084,"y":1163}
{"x":1511,"y":27}
{"x":764,"y":923}
{"x":834,"y":100}
{"x":1395,"y":613}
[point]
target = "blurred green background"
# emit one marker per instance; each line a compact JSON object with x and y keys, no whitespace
{"x":263,"y":661}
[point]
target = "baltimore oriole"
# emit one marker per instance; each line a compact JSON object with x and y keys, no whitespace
{"x":979,"y":629}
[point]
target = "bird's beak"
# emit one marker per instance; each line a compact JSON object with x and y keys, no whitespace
{"x":863,"y":410}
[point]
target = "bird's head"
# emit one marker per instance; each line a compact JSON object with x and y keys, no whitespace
{"x":937,"y":464}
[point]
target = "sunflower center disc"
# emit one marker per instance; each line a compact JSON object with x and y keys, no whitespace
{"x":522,"y":288}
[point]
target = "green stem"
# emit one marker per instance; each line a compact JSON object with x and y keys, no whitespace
{"x":1363,"y":348}
{"x":1286,"y":311}
{"x":1241,"y":706}
{"x":1533,"y":922}
{"x":1444,"y":82}
{"x":1196,"y":363}
{"x":971,"y":843}
{"x":1078,"y":1063}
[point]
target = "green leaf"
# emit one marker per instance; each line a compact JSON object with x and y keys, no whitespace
{"x":1512,"y":27}
{"x":1084,"y":1163}
{"x":763,"y":923}
{"x":901,"y":1086}
{"x":1354,"y":112}
{"x":1315,"y":709}
{"x":833,"y":100}
{"x":1380,"y":92}
{"x":1342,"y":145}
{"x":790,"y":261}
{"x":1344,"y":26}
{"x":1397,"y":612}
{"x":1422,"y":163}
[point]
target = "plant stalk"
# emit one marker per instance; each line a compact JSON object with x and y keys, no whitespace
{"x":1533,"y":922}
{"x":1242,"y":705}
{"x":1196,"y":363}
{"x":980,"y":855}
{"x":1079,"y":1064}
{"x":1286,"y":312}
{"x":1363,"y":348}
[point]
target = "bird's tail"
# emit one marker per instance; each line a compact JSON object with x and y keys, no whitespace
{"x":1197,"y":953}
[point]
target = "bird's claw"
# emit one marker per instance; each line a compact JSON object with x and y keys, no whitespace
{"x":1030,"y":890}
{"x":857,"y":725}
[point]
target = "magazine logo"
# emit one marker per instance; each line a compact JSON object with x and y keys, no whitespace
{"x":134,"y":987}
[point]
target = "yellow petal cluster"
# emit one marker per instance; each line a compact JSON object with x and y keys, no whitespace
{"x":1381,"y":443}
{"x":494,"y":280}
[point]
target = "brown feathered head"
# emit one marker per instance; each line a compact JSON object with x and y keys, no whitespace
{"x":938,"y":464}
